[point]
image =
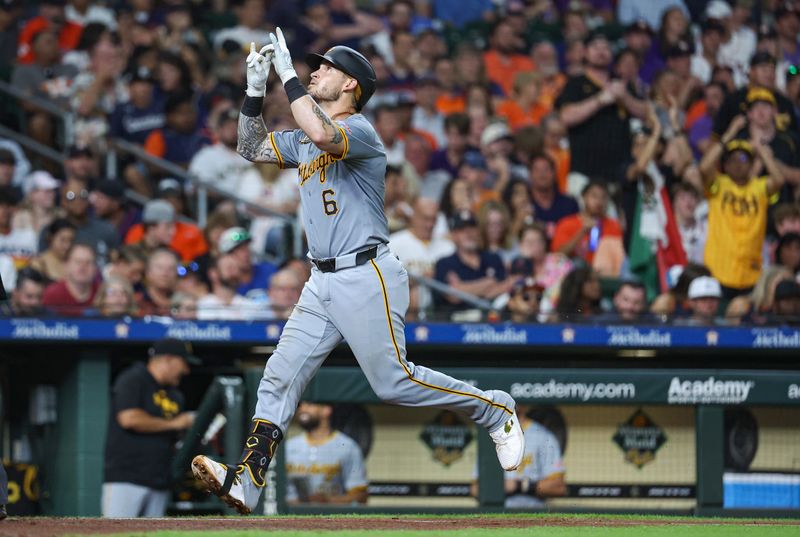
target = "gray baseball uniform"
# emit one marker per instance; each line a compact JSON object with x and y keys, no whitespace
{"x":332,"y":468}
{"x":365,"y":305}
{"x":542,"y":459}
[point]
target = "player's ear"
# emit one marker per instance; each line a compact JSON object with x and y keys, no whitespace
{"x":350,"y":85}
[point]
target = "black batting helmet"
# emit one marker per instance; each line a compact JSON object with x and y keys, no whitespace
{"x":352,"y":63}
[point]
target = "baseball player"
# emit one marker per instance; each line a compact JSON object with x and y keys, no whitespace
{"x":358,"y":291}
{"x":323,"y":465}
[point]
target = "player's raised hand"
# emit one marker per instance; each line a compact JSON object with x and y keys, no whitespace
{"x":258,"y":63}
{"x":283,"y":59}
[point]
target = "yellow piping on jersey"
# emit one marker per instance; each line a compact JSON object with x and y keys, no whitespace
{"x":405,"y":366}
{"x":275,"y":147}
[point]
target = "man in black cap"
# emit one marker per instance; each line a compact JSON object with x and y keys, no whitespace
{"x":762,"y":74}
{"x":108,"y":202}
{"x":470,"y":268}
{"x":146,"y":414}
{"x":80,"y":164}
{"x":595,"y":107}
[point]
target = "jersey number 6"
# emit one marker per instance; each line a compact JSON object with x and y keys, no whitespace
{"x":328,"y":203}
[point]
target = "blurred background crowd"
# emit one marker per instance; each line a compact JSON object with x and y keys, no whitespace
{"x":631,"y":161}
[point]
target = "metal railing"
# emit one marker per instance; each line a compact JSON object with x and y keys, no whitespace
{"x":66,"y":117}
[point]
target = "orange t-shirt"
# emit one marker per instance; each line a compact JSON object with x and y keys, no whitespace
{"x":450,"y":103}
{"x":517,"y":117}
{"x":155,"y":144}
{"x":67,"y":39}
{"x":502,"y":70}
{"x":188,"y":241}
{"x":562,"y":159}
{"x":571,"y":225}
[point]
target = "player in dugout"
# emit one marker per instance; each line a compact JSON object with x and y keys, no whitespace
{"x":323,"y":465}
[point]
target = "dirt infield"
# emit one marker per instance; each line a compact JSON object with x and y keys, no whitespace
{"x":40,"y":527}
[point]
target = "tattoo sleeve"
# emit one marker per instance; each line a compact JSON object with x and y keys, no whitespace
{"x":327,"y":124}
{"x":253,"y":143}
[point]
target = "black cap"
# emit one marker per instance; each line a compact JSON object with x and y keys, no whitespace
{"x":787,"y":289}
{"x":174,"y":347}
{"x":639,"y":26}
{"x":462,"y":219}
{"x":113,"y":189}
{"x":79,"y":151}
{"x":786,"y":8}
{"x":712,"y":25}
{"x":593,"y":36}
{"x":680,"y":49}
{"x":767,"y":31}
{"x":7,"y":157}
{"x":762,"y":57}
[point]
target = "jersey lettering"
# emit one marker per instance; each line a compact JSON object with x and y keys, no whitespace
{"x":307,"y":169}
{"x":328,"y":203}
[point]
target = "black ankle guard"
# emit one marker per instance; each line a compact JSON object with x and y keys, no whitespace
{"x":259,"y":449}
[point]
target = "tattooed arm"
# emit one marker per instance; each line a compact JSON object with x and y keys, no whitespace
{"x":254,"y":143}
{"x":318,"y":126}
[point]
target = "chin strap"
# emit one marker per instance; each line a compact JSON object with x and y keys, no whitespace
{"x":259,"y":450}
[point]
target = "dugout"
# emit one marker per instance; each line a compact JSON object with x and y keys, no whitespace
{"x":657,"y":419}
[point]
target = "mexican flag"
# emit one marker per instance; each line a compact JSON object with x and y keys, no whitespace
{"x":655,"y":239}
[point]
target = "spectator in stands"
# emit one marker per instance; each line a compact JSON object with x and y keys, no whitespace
{"x":253,"y":276}
{"x":762,"y":74}
{"x":180,"y":139}
{"x":595,"y":107}
{"x":787,"y":253}
{"x":493,"y":225}
{"x":699,"y":133}
{"x":737,"y":209}
{"x":19,"y":243}
{"x":160,"y":282}
{"x":89,"y":229}
{"x":787,"y":24}
{"x":551,"y":79}
{"x":629,"y":11}
{"x":517,"y":198}
{"x":786,"y":307}
{"x":426,"y":117}
{"x":753,"y":308}
{"x":115,"y":298}
{"x":160,"y":227}
{"x":44,"y":77}
{"x":51,"y":263}
{"x":26,"y":299}
{"x":629,"y":304}
{"x":396,"y":197}
{"x":419,"y":250}
{"x":388,"y":127}
{"x":80,"y":164}
{"x":38,"y":208}
{"x":50,"y":18}
{"x":692,"y":222}
{"x":323,"y":465}
{"x":705,"y":294}
{"x":524,"y":300}
{"x":98,"y":90}
{"x":471,"y":269}
{"x":127,"y":262}
{"x":184,"y":306}
{"x":580,"y":235}
{"x":133,"y":120}
{"x":675,"y":301}
{"x":524,"y":107}
{"x":147,"y":412}
{"x":250,"y":16}
{"x":706,"y":56}
{"x":547,"y":269}
{"x":76,"y":292}
{"x":285,"y":287}
{"x":8,"y":171}
{"x":221,"y":166}
{"x":109,"y":204}
{"x":549,"y":205}
{"x":449,"y":158}
{"x":579,"y":297}
{"x":503,"y":59}
{"x":223,"y":302}
{"x":541,"y":474}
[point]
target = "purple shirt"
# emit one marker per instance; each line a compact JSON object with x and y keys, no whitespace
{"x":701,"y":130}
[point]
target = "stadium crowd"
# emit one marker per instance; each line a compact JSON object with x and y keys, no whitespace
{"x":621,"y":161}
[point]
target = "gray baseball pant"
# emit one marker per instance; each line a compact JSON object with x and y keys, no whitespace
{"x":365,"y":306}
{"x":126,"y":500}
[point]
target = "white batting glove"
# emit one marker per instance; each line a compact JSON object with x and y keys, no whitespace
{"x":283,"y":59}
{"x":258,"y":64}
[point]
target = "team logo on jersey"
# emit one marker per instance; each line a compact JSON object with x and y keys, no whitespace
{"x":639,"y":438}
{"x":306,"y":170}
{"x":446,"y":436}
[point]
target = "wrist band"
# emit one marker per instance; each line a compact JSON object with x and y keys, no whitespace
{"x":251,"y":107}
{"x":294,"y":89}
